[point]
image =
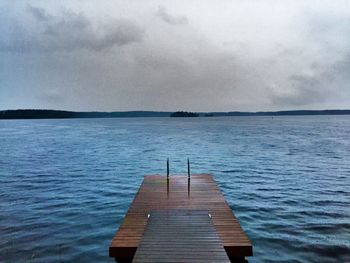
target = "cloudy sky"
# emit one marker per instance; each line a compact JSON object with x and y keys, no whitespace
{"x":225,"y":55}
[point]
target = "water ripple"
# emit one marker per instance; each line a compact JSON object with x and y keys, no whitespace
{"x":66,"y":184}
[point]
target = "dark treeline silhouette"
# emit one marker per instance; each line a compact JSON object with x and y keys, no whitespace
{"x":283,"y":113}
{"x":57,"y":114}
{"x":35,"y":114}
{"x":184,"y":114}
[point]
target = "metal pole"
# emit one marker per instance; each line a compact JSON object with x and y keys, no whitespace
{"x":188,"y":178}
{"x":167,"y":177}
{"x":167,"y":168}
{"x":188,"y":169}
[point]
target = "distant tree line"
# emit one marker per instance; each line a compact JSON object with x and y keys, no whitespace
{"x":36,"y":114}
{"x":283,"y":113}
{"x":184,"y":114}
{"x":58,"y":114}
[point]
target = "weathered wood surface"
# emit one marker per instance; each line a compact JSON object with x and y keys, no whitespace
{"x":180,"y":236}
{"x":204,"y":195}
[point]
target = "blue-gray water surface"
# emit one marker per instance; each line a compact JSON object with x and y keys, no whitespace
{"x":67,"y":184}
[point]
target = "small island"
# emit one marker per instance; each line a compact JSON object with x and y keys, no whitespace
{"x":184,"y":114}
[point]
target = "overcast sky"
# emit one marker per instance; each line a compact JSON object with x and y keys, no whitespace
{"x":226,"y":55}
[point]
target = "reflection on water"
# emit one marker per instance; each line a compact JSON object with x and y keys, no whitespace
{"x":66,"y":184}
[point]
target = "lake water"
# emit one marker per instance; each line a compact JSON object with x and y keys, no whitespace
{"x":65,"y":185}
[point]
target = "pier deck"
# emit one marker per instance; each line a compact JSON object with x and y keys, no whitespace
{"x":193,"y":238}
{"x":156,"y":194}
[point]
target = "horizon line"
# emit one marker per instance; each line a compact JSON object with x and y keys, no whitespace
{"x":169,"y":111}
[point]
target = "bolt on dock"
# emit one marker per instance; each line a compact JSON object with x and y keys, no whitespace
{"x":180,"y":219}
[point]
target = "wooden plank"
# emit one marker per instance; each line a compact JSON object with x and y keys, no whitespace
{"x":180,"y":236}
{"x":204,"y":194}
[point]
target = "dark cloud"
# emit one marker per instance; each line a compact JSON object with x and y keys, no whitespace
{"x":90,"y":57}
{"x":171,"y":19}
{"x":324,"y":82}
{"x":69,"y":31}
{"x":39,"y":13}
{"x":304,"y":90}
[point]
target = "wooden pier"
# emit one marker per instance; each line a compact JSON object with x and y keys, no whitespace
{"x":206,"y":225}
{"x":180,"y":236}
